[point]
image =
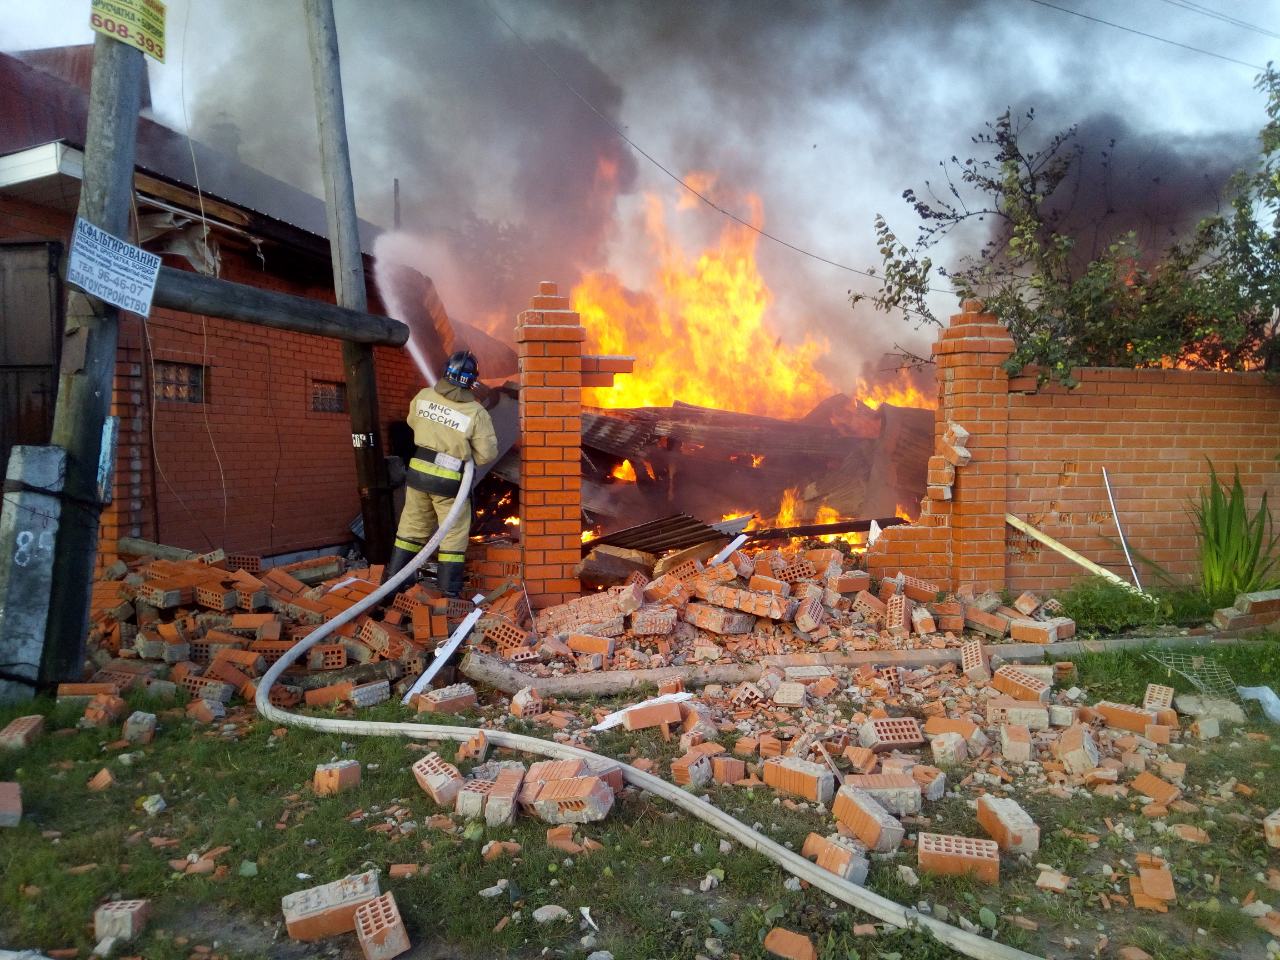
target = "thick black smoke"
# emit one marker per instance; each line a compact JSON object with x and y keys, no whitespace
{"x":495,"y":162}
{"x":826,"y":110}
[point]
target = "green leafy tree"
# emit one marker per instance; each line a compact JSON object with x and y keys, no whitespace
{"x":1209,"y":300}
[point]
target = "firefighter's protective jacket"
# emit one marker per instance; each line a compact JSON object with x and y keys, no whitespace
{"x":449,"y":427}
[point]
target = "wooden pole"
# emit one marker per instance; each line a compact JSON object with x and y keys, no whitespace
{"x":348,"y":277}
{"x":196,"y":293}
{"x":89,"y":354}
{"x":1036,"y":534}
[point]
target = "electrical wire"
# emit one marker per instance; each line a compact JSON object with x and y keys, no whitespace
{"x":150,"y":383}
{"x":1225,"y":18}
{"x":204,"y":223}
{"x":604,"y":118}
{"x":1143,"y":33}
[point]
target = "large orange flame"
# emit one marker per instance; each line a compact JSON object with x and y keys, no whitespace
{"x":702,"y":337}
{"x":899,"y":392}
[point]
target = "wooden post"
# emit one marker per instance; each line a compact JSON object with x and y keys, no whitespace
{"x":89,"y":354}
{"x":348,"y":277}
{"x":196,"y":293}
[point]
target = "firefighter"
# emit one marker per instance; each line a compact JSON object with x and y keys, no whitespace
{"x":449,"y":428}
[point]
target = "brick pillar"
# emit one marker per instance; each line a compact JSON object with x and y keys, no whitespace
{"x":974,"y":388}
{"x":549,"y":337}
{"x":126,"y":515}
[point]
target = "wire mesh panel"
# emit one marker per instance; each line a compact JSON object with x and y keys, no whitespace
{"x":1203,"y":671}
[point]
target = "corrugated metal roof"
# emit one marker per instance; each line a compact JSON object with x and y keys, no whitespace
{"x":659,"y":536}
{"x":38,"y":107}
{"x":616,"y":434}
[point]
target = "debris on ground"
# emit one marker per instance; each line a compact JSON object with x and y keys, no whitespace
{"x":870,"y":752}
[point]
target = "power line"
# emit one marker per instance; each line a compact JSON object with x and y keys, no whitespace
{"x":1225,"y":18}
{"x":1149,"y":36}
{"x":684,"y":183}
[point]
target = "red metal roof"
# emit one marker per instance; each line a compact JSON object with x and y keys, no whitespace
{"x":38,"y":106}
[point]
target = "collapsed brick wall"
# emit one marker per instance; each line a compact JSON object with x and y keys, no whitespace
{"x":1038,"y":452}
{"x":958,"y":538}
{"x":1156,"y":431}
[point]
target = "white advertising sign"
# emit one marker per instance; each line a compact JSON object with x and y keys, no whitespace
{"x":111,"y":269}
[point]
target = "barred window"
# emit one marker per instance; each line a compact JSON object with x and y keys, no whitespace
{"x":328,"y":396}
{"x":180,"y":382}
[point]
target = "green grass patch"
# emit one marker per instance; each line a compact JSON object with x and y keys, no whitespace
{"x":1099,"y":605}
{"x":250,"y":790}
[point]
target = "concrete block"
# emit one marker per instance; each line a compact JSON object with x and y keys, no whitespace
{"x":28,"y":531}
{"x":1015,"y":742}
{"x":140,"y":727}
{"x":948,"y":749}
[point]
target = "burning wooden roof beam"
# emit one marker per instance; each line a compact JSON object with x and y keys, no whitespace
{"x":823,"y":529}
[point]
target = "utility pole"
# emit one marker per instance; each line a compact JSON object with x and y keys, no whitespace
{"x":348,"y":277}
{"x":88,"y":362}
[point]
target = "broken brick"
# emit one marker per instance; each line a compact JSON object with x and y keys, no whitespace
{"x":947,"y":855}
{"x":379,"y":929}
{"x":789,"y":945}
{"x":867,"y":819}
{"x":329,"y":909}
{"x":333,"y":778}
{"x":22,"y":732}
{"x":1008,"y":824}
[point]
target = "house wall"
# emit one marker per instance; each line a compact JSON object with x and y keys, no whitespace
{"x":287,"y":473}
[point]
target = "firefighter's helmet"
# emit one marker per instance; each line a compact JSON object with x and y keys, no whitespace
{"x":462,"y":369}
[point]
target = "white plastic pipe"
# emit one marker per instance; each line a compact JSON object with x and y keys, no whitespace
{"x":970,"y":944}
{"x":731,"y":546}
{"x":444,"y":653}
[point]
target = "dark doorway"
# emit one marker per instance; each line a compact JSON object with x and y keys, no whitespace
{"x":30,"y":330}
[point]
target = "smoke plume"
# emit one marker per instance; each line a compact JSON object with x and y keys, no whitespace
{"x":825,"y":110}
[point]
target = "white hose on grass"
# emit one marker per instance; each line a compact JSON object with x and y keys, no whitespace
{"x":970,"y":944}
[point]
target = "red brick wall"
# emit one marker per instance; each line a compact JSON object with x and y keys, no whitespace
{"x":1155,"y":431}
{"x":288,"y":472}
{"x":1038,"y":453}
{"x":549,"y":341}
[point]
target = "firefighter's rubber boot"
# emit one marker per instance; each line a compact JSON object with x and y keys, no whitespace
{"x":449,"y":578}
{"x":399,"y":557}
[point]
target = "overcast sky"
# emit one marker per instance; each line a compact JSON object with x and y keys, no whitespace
{"x":826,"y":111}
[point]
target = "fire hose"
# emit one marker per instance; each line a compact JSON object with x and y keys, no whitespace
{"x":970,"y":944}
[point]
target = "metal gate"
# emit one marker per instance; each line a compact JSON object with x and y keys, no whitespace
{"x":30,"y":331}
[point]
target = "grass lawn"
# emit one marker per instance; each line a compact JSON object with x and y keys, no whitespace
{"x":241,"y":786}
